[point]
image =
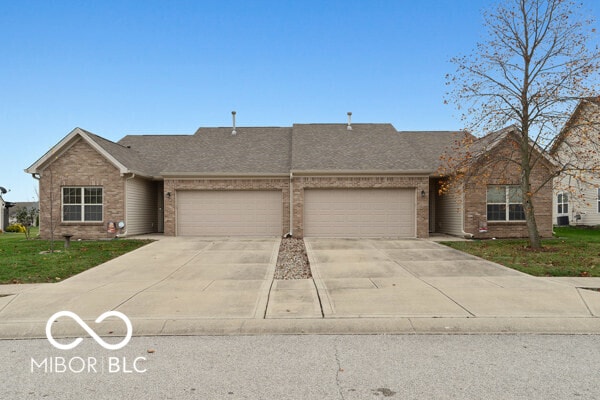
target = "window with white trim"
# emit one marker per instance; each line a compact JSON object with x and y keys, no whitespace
{"x":82,"y":204}
{"x":505,"y":203}
{"x":599,"y":200}
{"x":562,"y":203}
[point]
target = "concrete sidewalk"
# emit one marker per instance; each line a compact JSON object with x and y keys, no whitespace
{"x":192,"y":286}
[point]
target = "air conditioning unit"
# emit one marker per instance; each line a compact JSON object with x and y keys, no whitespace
{"x":562,"y":220}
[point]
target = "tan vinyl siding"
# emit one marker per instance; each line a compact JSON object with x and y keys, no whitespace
{"x":449,"y":213}
{"x":141,"y":203}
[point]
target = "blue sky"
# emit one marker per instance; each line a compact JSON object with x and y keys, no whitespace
{"x":143,"y":67}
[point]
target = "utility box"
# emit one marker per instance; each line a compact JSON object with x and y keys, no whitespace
{"x":563,"y":220}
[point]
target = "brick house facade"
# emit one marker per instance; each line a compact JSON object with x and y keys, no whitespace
{"x":143,"y":178}
{"x":79,"y":166}
{"x":497,"y":168}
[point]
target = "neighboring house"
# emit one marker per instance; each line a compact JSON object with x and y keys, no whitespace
{"x":18,"y":205}
{"x":3,"y":215}
{"x":5,"y":207}
{"x":577,"y":190}
{"x":340,"y":180}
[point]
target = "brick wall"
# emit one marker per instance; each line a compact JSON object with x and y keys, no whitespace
{"x":299,"y":184}
{"x":173,"y":185}
{"x":498,"y":171}
{"x":80,"y":165}
{"x":366,"y":182}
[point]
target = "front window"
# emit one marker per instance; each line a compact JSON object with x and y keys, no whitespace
{"x":562,"y":204}
{"x":505,"y":203}
{"x":82,"y":204}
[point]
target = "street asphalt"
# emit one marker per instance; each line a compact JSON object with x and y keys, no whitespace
{"x":305,"y":367}
{"x":199,"y":286}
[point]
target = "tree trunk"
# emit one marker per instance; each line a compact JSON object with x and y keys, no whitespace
{"x":528,"y":206}
{"x":534,"y":235}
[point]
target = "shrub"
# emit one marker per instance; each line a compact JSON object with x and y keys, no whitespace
{"x":16,"y":228}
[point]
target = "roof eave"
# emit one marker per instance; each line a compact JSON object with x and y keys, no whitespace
{"x":423,"y":172}
{"x":170,"y":174}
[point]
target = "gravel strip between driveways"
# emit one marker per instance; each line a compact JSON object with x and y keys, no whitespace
{"x":292,"y":262}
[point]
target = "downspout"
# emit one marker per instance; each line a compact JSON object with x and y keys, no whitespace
{"x":291,"y":232}
{"x":37,"y":177}
{"x":118,"y":235}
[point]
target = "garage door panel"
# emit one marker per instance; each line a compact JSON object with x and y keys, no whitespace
{"x":229,"y":213}
{"x":359,"y":212}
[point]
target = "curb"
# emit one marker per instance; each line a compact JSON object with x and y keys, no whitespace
{"x":350,"y":326}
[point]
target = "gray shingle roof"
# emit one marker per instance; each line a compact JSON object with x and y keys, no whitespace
{"x":156,"y":151}
{"x":216,"y":150}
{"x":130,"y":158}
{"x":367,"y":147}
{"x":431,"y":145}
{"x":279,"y":150}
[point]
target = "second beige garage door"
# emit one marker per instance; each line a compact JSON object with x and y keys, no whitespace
{"x":229,"y":213}
{"x":359,"y":212}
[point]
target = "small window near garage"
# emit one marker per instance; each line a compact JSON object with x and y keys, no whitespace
{"x":562,"y":204}
{"x":82,"y":204}
{"x":505,"y":203}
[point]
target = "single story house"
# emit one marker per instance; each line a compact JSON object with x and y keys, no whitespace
{"x":5,"y":207}
{"x":577,"y":189}
{"x":337,"y":180}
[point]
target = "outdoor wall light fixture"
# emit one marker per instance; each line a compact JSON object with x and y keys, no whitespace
{"x":422,"y":193}
{"x":168,"y":195}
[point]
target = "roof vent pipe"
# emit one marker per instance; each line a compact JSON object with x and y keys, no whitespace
{"x":233,"y":132}
{"x":349,"y":121}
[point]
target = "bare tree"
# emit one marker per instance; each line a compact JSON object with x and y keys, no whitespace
{"x":530,"y":71}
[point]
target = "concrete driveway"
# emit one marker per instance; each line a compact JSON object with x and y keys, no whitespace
{"x":419,"y":278}
{"x":225,"y":286}
{"x":171,"y":279}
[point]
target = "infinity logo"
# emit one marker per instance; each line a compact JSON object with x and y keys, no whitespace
{"x":89,"y":330}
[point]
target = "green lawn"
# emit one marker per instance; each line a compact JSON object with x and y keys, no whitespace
{"x":574,"y":252}
{"x":26,"y":261}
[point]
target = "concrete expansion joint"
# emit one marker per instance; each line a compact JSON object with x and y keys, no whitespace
{"x":318,"y":297}
{"x":584,"y":302}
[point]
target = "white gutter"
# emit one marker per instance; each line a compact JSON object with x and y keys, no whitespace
{"x":221,"y":175}
{"x":364,"y":172}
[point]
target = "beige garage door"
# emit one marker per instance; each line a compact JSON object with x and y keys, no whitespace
{"x":359,"y":213}
{"x":229,"y":213}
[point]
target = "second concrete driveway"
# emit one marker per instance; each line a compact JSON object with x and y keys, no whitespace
{"x":419,"y":278}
